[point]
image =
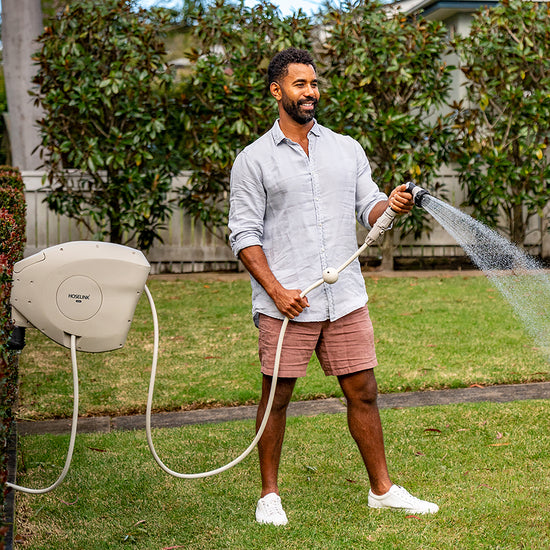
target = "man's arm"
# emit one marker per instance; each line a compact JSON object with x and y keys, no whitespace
{"x":288,"y":301}
{"x":401,"y":201}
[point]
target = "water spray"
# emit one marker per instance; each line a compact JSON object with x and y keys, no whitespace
{"x":522,"y":280}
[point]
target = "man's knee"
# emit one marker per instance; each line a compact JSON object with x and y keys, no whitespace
{"x":283,"y":392}
{"x":360,"y":387}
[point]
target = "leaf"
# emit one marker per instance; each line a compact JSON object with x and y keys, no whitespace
{"x":68,"y":503}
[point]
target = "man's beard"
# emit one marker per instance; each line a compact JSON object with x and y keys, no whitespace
{"x":293,"y":109}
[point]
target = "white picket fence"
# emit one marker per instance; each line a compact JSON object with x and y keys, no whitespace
{"x":189,"y":247}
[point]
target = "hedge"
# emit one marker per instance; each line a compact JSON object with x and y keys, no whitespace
{"x":12,"y":242}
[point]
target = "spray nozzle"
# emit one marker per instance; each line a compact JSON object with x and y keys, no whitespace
{"x":383,"y":223}
{"x":418,"y":193}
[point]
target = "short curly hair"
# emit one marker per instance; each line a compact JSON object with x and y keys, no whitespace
{"x":278,"y":66}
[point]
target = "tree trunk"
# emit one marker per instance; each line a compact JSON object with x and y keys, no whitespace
{"x":115,"y":227}
{"x":518,"y":229}
{"x":388,"y":249}
{"x":21,"y":25}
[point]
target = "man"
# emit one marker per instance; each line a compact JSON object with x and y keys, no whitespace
{"x":296,"y":193}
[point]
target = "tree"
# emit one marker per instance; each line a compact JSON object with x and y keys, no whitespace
{"x":105,"y":93}
{"x":21,"y":25}
{"x":386,"y":80}
{"x":226,"y":99}
{"x":503,"y":125}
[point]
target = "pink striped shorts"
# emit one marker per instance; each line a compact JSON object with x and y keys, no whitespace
{"x":342,"y":346}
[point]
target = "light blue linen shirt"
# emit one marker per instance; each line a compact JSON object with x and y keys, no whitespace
{"x":302,"y":211}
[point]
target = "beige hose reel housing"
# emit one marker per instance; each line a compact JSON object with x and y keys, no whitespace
{"x":86,"y":288}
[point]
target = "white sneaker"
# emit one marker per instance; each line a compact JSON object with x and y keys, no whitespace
{"x":270,"y":510}
{"x":399,"y":498}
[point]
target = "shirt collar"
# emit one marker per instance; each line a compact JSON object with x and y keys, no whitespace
{"x":278,"y":135}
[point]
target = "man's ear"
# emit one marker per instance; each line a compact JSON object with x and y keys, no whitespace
{"x":275,"y":90}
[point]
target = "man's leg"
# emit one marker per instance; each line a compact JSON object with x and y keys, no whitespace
{"x":269,"y":508}
{"x":360,"y":390}
{"x":271,"y":442}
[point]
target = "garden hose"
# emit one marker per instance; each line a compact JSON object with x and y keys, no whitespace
{"x":73,"y":432}
{"x":330,"y":276}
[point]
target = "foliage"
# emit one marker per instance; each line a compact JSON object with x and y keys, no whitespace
{"x":385,"y":81}
{"x":12,"y":241}
{"x":226,"y":104}
{"x":503,"y":125}
{"x":103,"y":86}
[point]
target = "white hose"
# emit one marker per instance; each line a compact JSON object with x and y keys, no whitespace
{"x":150,"y":400}
{"x":330,"y":275}
{"x":73,"y":432}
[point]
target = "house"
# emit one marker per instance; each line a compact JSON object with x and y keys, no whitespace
{"x":450,"y":12}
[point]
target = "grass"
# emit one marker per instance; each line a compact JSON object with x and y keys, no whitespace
{"x":485,"y":464}
{"x":431,"y":333}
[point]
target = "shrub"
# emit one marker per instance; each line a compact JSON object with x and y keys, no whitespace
{"x":12,"y":240}
{"x":502,"y":127}
{"x":104,"y":88}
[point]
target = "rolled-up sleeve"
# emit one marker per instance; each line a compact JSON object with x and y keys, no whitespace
{"x":367,"y":191}
{"x":247,"y":203}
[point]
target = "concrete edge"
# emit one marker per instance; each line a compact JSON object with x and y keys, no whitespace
{"x":106,"y":424}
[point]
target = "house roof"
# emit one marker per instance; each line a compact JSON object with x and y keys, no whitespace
{"x":439,"y":10}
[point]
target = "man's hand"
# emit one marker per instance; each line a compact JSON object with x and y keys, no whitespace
{"x":401,"y":201}
{"x":289,"y":302}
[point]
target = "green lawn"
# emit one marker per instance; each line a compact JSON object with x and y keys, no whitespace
{"x":431,"y":333}
{"x":486,"y":465}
